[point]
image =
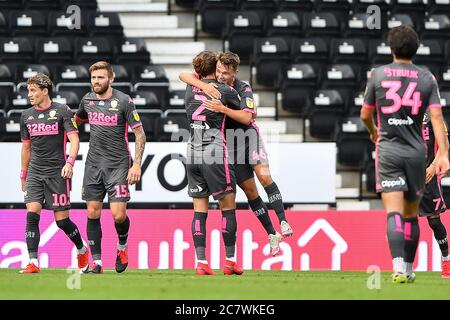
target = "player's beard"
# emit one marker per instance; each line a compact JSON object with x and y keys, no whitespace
{"x":101,"y":90}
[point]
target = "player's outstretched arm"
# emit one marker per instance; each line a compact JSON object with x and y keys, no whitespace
{"x":67,"y":170}
{"x":440,"y":134}
{"x":134,"y":174}
{"x":25,"y":162}
{"x":209,"y":88}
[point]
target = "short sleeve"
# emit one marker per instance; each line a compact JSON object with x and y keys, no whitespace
{"x":247,"y":101}
{"x":435,"y":99}
{"x":132,"y":115}
{"x":69,"y":124}
{"x":369,"y":94}
{"x":24,"y":133}
{"x":81,"y":113}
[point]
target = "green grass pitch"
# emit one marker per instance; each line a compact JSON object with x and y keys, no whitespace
{"x":185,"y":285}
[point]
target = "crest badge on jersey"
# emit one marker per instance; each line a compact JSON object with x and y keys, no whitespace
{"x":74,"y":123}
{"x":52,"y":115}
{"x":114,"y":105}
{"x":249,"y":102}
{"x":136,"y":116}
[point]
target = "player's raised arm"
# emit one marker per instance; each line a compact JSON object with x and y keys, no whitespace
{"x":209,"y":88}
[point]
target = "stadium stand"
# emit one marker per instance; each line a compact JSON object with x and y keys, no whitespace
{"x":307,"y":60}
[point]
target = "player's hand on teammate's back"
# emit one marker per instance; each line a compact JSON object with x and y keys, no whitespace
{"x":214,"y":105}
{"x":430,"y":172}
{"x":134,"y":174}
{"x":67,"y":171}
{"x":211,"y":91}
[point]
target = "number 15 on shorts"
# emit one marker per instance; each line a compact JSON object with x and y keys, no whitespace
{"x":122,"y":191}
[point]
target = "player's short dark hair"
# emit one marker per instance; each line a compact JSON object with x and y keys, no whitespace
{"x":403,"y":41}
{"x":42,"y":81}
{"x":99,"y":65}
{"x":229,"y":59}
{"x":205,"y":63}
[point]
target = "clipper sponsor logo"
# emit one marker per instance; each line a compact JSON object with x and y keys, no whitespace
{"x":400,"y":122}
{"x":101,"y":119}
{"x":393,"y":183}
{"x":197,"y":126}
{"x":42,"y":129}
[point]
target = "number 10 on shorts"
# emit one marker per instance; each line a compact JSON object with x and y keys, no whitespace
{"x":122,"y":191}
{"x":60,"y":200}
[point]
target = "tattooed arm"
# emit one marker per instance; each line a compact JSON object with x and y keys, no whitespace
{"x":134,"y":174}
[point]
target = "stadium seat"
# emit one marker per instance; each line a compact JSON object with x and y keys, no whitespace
{"x":297,"y":6}
{"x":11,"y":4}
{"x":74,"y":78}
{"x":7,"y":86}
{"x":397,"y":19}
{"x":323,"y":24}
{"x":12,"y":128}
{"x":4,"y":29}
{"x":369,"y":170}
{"x":53,"y":51}
{"x":145,"y":100}
{"x":262,"y":7}
{"x":172,"y":123}
{"x":176,"y":99}
{"x":345,"y":76}
{"x":314,"y":51}
{"x":69,"y":98}
{"x":326,"y":112}
{"x":61,"y":23}
{"x":286,"y":24}
{"x":186,"y":3}
{"x":352,"y":140}
{"x":83,"y":4}
{"x":438,"y":6}
{"x":436,"y":26}
{"x":122,"y":80}
{"x":132,"y":52}
{"x":29,"y":23}
{"x":296,"y":84}
{"x":213,"y":14}
{"x":431,"y":54}
{"x":355,"y":105}
{"x":91,"y":50}
{"x":19,"y":102}
{"x":104,"y":24}
{"x":24,"y":72}
{"x":361,"y":25}
{"x":149,"y":120}
{"x":15,"y":51}
{"x":379,"y":52}
{"x":269,"y":56}
{"x":362,"y":5}
{"x":445,"y":102}
{"x":43,"y":5}
{"x":408,"y":5}
{"x":349,"y":51}
{"x":152,"y":78}
{"x":240,"y":30}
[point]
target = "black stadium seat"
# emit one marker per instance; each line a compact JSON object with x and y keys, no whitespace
{"x":240,"y":30}
{"x":269,"y":56}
